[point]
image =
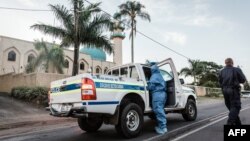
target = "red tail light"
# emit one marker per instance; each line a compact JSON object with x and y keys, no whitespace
{"x":88,"y":89}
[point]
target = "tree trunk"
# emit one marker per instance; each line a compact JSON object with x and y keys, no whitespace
{"x":76,"y":44}
{"x":132,"y":41}
{"x":76,"y":56}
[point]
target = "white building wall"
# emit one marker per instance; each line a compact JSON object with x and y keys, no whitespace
{"x":24,"y":48}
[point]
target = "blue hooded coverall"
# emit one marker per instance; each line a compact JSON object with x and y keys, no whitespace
{"x":157,"y":87}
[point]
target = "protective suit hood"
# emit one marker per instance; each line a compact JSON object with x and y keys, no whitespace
{"x":155,"y":69}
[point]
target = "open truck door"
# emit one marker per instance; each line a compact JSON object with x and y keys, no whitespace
{"x":174,"y":88}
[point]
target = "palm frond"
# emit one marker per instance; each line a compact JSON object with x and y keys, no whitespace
{"x":125,"y":12}
{"x":63,"y":15}
{"x":39,"y":60}
{"x":186,"y":72}
{"x":50,"y":30}
{"x":139,"y":6}
{"x":100,"y":22}
{"x":41,"y":46}
{"x":99,"y":41}
{"x":93,"y":7}
{"x":56,"y":57}
{"x":144,"y":15}
{"x":124,"y":5}
{"x":67,"y":41}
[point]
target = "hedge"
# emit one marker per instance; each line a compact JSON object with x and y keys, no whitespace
{"x":37,"y":95}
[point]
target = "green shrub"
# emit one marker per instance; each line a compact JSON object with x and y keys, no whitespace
{"x":210,"y":84}
{"x":214,"y":94}
{"x":38,"y":95}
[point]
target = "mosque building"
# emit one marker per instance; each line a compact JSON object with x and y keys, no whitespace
{"x":15,"y":54}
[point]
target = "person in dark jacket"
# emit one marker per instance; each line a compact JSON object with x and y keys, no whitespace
{"x":230,"y":78}
{"x":157,"y":87}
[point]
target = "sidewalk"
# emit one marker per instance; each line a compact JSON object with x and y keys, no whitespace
{"x":15,"y":113}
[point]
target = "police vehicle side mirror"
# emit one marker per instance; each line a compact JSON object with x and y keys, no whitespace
{"x":182,"y":81}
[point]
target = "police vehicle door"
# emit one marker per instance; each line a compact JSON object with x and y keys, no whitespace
{"x":170,"y":75}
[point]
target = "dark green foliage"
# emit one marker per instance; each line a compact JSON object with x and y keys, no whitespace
{"x":37,"y":95}
{"x":204,"y":73}
{"x":211,"y":84}
{"x":213,"y":92}
{"x":50,"y":58}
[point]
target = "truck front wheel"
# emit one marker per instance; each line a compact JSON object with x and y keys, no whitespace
{"x":190,"y":111}
{"x":90,"y":124}
{"x":130,"y":121}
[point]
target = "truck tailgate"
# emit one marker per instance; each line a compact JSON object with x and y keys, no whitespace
{"x":66,"y":90}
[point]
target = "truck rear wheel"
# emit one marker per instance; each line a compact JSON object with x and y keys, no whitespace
{"x":190,"y":111}
{"x":90,"y":124}
{"x":130,"y":121}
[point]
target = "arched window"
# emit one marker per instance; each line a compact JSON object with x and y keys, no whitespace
{"x":82,"y":67}
{"x":105,"y":70}
{"x":66,"y":64}
{"x":31,"y":57}
{"x":97,"y":70}
{"x":11,"y":56}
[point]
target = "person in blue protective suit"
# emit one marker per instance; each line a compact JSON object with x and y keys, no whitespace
{"x":157,"y":87}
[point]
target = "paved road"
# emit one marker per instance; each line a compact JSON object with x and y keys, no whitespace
{"x":71,"y":132}
{"x":214,"y":130}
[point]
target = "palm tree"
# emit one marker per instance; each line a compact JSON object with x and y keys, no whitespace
{"x":130,"y":10}
{"x":194,"y":70}
{"x":84,"y":25}
{"x":117,"y":23}
{"x":210,"y":71}
{"x":51,"y":57}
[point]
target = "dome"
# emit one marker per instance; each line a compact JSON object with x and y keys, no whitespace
{"x":97,"y":54}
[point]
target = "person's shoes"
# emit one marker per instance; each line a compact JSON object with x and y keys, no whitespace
{"x":165,"y":130}
{"x":161,"y":131}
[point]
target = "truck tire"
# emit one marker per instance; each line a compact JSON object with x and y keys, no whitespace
{"x":130,"y":121}
{"x":90,"y":124}
{"x":190,"y":111}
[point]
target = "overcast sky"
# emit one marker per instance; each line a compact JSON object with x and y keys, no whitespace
{"x":210,"y":30}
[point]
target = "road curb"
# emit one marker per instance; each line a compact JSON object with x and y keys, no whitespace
{"x":37,"y":122}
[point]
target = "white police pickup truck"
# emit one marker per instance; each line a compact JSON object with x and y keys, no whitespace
{"x":120,"y":98}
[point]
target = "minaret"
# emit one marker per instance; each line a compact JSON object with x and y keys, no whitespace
{"x":117,"y":36}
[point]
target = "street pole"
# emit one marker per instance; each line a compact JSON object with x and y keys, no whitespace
{"x":132,"y":42}
{"x":76,"y":44}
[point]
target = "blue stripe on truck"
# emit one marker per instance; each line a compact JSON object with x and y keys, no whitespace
{"x":118,"y":86}
{"x":63,"y":88}
{"x":103,"y":85}
{"x":103,"y":102}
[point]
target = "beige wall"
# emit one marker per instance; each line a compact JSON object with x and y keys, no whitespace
{"x":203,"y":91}
{"x":22,"y":49}
{"x":8,"y":81}
{"x":25,"y":48}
